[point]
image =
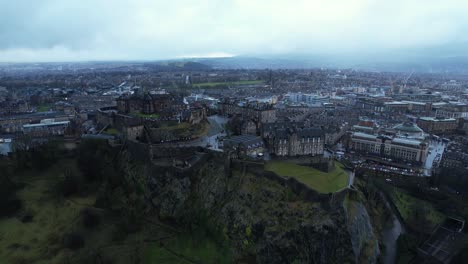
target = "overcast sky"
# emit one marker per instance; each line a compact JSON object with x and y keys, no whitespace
{"x":76,"y":30}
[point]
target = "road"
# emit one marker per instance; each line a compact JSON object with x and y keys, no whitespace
{"x":350,"y":178}
{"x":5,"y":148}
{"x":211,"y":139}
{"x":437,"y":149}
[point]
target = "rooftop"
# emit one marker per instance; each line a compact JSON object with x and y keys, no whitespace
{"x":244,"y":140}
{"x":408,"y":127}
{"x":437,"y":119}
{"x":364,"y":135}
{"x":45,"y":124}
{"x":406,"y":141}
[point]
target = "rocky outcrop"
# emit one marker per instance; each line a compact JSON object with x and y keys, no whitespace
{"x":309,"y":242}
{"x":363,"y":239}
{"x":261,"y":218}
{"x":169,"y":193}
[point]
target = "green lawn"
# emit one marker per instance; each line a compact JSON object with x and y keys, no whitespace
{"x":212,"y":84}
{"x":317,"y":180}
{"x":44,"y":107}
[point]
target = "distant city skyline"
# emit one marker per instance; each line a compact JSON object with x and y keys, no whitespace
{"x":51,"y":30}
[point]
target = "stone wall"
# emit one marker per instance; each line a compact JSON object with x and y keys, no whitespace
{"x":396,"y":178}
{"x":317,"y":162}
{"x":166,"y":151}
{"x":139,"y":151}
{"x":107,"y":116}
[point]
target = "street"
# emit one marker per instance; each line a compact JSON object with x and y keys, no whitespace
{"x":215,"y":132}
{"x":436,"y":147}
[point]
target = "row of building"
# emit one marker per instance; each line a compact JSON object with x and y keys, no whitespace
{"x":405,"y":142}
{"x":389,"y":147}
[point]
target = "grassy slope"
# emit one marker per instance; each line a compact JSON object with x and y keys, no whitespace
{"x":405,"y":202}
{"x":186,"y":249}
{"x":156,"y":254}
{"x":318,"y":180}
{"x":40,"y":241}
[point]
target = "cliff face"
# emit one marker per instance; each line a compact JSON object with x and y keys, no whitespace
{"x":262,"y":219}
{"x":364,"y":241}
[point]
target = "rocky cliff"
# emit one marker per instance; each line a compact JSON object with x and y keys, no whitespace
{"x":263,"y":220}
{"x":363,"y":239}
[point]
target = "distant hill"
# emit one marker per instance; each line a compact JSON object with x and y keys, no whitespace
{"x":392,"y":62}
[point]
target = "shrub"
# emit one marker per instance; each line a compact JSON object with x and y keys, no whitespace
{"x":90,"y":218}
{"x":9,"y":206}
{"x":71,"y":184}
{"x":73,"y":241}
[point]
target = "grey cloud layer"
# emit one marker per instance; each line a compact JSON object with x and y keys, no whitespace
{"x":143,"y":29}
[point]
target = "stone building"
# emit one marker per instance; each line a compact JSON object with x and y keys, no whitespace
{"x":12,"y":106}
{"x":192,"y":115}
{"x":14,"y":124}
{"x":390,"y":147}
{"x":245,"y":145}
{"x":258,"y":112}
{"x":295,"y":141}
{"x":438,"y":125}
{"x":333,"y":133}
{"x":408,"y":106}
{"x":249,"y":127}
{"x":148,"y":103}
{"x":371,"y":104}
{"x":453,"y":111}
{"x":47,"y":127}
{"x":133,"y":132}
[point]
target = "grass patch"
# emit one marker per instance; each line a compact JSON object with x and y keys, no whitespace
{"x":40,"y":241}
{"x":214,"y":84}
{"x":111,"y":131}
{"x":406,"y":248}
{"x":44,"y":107}
{"x":406,"y":204}
{"x":187,"y":248}
{"x":156,"y":254}
{"x":146,"y":115}
{"x":174,"y":125}
{"x":175,"y":131}
{"x":316,"y":179}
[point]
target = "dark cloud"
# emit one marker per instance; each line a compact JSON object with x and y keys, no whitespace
{"x":144,"y":29}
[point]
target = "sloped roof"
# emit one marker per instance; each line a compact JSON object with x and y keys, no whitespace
{"x":408,"y":127}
